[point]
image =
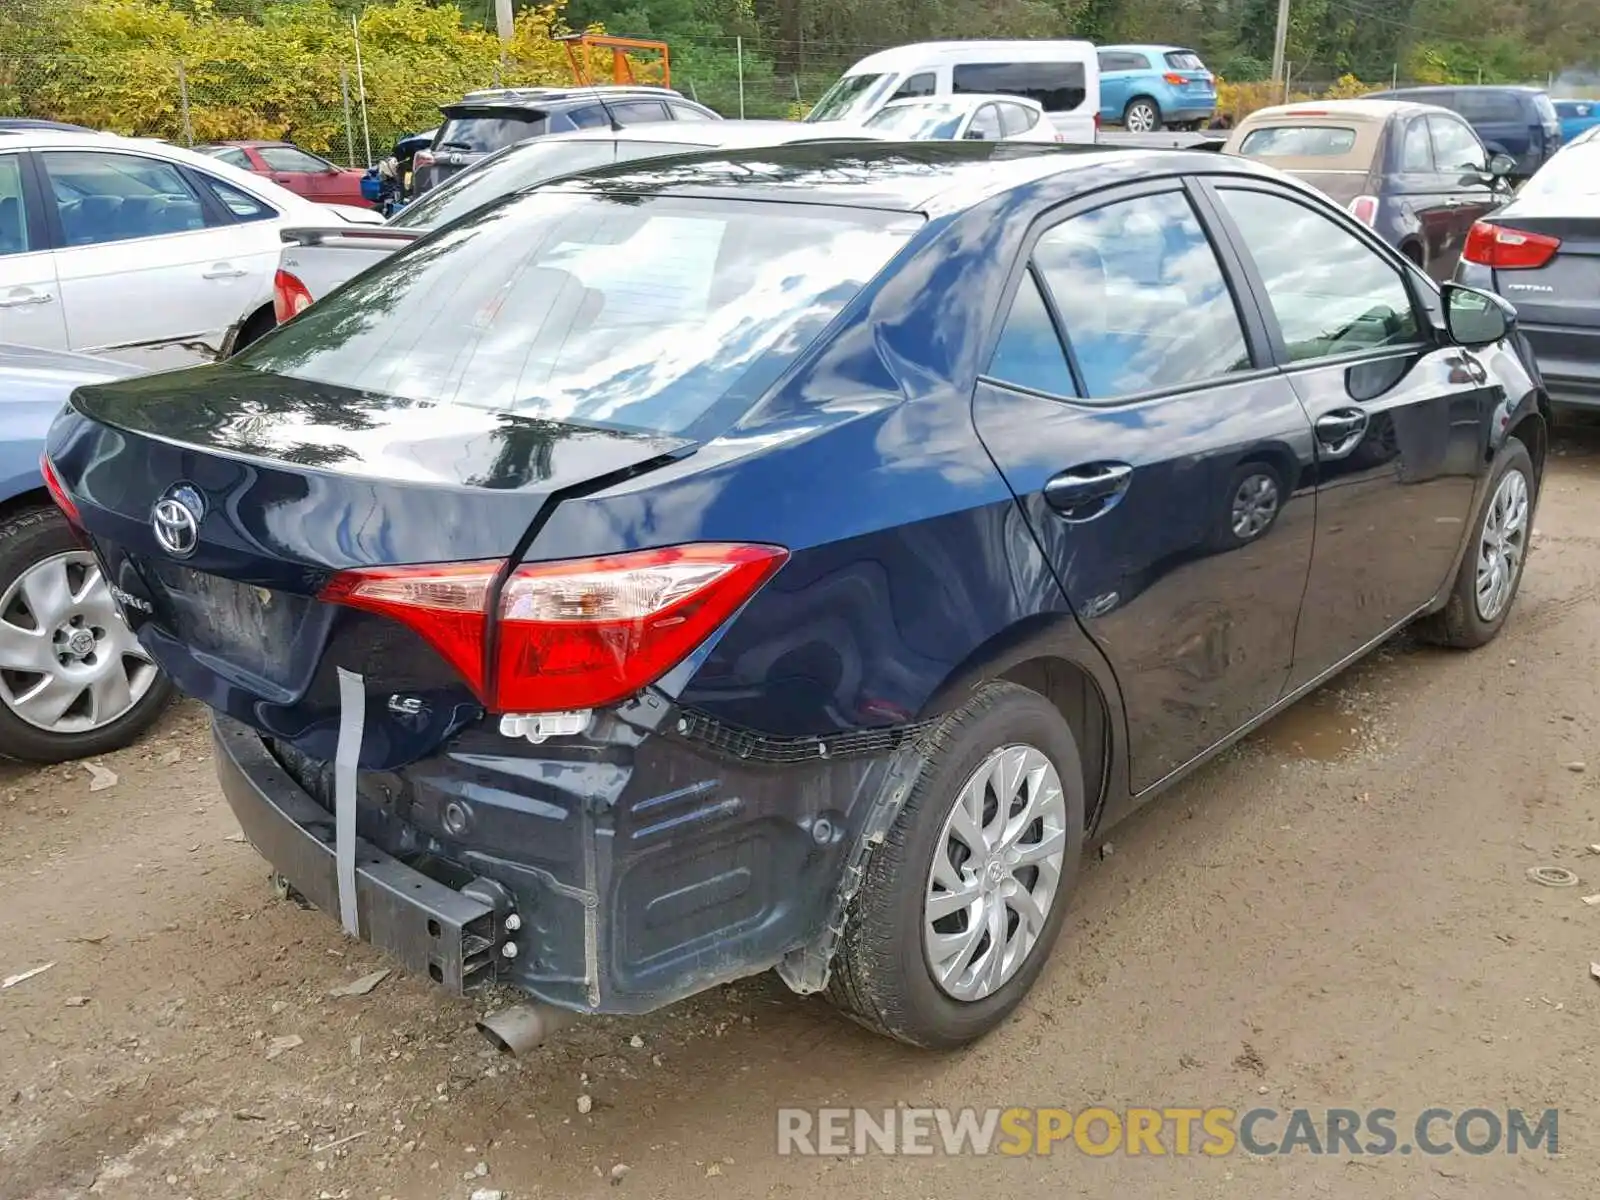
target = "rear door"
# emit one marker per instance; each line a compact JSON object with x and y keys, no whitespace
{"x":1162,"y":466}
{"x":30,"y":296}
{"x":151,"y":270}
{"x":1399,"y":420}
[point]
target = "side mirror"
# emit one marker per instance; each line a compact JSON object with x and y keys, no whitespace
{"x":1474,"y":318}
{"x":1501,"y":165}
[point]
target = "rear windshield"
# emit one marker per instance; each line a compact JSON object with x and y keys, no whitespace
{"x":1298,"y":141}
{"x":483,"y":133}
{"x":610,"y":309}
{"x":850,"y":97}
{"x":519,"y":167}
{"x":1573,"y":172}
{"x":1546,"y":109}
{"x":1184,"y":60}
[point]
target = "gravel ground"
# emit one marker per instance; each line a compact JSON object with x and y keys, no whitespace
{"x":1335,"y":914}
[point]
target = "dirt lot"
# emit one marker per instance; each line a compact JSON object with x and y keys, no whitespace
{"x":1337,"y":914}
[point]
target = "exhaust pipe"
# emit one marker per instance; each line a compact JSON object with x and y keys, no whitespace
{"x":524,"y":1027}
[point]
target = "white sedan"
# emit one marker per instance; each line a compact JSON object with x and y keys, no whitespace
{"x":139,"y":250}
{"x":964,"y":118}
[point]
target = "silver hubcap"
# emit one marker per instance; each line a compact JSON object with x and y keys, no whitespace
{"x":1140,"y":119}
{"x":68,"y":664}
{"x":1502,"y":545}
{"x":996,"y":870}
{"x":1254,"y":506}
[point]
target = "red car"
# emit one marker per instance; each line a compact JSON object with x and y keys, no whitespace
{"x":298,"y":170}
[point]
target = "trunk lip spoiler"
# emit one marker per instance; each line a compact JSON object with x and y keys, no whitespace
{"x":317,"y":235}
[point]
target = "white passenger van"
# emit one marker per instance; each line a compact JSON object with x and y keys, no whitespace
{"x":1064,"y":77}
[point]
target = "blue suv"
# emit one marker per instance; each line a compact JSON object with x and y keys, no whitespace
{"x":1143,"y":88}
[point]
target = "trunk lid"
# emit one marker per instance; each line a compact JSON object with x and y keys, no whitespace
{"x":1558,"y":303}
{"x":279,"y":483}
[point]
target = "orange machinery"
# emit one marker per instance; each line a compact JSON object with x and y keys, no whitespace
{"x":578,"y":46}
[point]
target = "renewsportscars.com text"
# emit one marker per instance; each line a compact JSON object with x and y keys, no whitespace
{"x":1210,"y":1132}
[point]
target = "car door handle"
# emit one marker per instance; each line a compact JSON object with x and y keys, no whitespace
{"x":1455,"y":202}
{"x":24,"y":301}
{"x":224,"y":272}
{"x":1080,"y":493}
{"x":1341,"y":429}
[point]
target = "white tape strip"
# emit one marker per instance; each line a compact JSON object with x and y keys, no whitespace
{"x":352,"y":720}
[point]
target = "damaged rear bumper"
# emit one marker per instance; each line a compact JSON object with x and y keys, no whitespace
{"x":617,"y":873}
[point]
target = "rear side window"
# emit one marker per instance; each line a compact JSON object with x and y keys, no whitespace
{"x":1298,"y":141}
{"x":687,"y":112}
{"x":920,"y":84}
{"x":1141,"y":297}
{"x":1029,"y":353}
{"x":243,"y":207}
{"x":14,"y":237}
{"x":1488,"y":105}
{"x":1123,"y":60}
{"x":638,"y":112}
{"x":1330,"y":291}
{"x":608,"y":308}
{"x":484,"y":133}
{"x":1015,"y":119}
{"x":1184,"y":60}
{"x":1056,"y":86}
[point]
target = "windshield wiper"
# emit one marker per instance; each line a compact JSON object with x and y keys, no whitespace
{"x":455,"y":145}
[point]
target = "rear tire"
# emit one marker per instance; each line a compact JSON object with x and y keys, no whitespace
{"x":1491,"y":569}
{"x":1142,"y":115}
{"x":30,"y":542}
{"x":1005,"y":756}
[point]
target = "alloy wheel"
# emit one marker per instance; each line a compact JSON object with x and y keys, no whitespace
{"x":1255,"y":504}
{"x":1140,"y":117}
{"x":68,"y":663}
{"x":1502,"y":545}
{"x":996,"y":870}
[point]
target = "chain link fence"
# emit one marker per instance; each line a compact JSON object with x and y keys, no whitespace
{"x":352,"y":108}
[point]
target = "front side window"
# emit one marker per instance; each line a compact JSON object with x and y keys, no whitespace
{"x":292,"y":160}
{"x":920,"y":84}
{"x":591,"y":117}
{"x":1141,"y":296}
{"x":1330,"y":291}
{"x":1456,"y":147}
{"x":1029,"y":353}
{"x":1416,"y":147}
{"x":596,"y":305}
{"x":1056,"y":86}
{"x":108,"y":197}
{"x":985,"y":126}
{"x":14,"y":234}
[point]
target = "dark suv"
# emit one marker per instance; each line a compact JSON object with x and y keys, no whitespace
{"x":482,"y":122}
{"x":1519,"y":121}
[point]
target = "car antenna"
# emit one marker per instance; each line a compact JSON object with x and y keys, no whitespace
{"x":577,"y":69}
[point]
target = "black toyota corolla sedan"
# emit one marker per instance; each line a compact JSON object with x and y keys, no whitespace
{"x":789,"y":557}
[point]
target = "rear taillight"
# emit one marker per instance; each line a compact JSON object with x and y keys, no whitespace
{"x":575,"y":634}
{"x":422,"y":158}
{"x":58,"y":493}
{"x":1506,"y":249}
{"x":1175,"y":79}
{"x":290,"y":297}
{"x":1365,"y":210}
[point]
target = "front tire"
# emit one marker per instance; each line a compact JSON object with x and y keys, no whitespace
{"x":74,"y":681}
{"x":962,"y":903}
{"x":1491,"y":570}
{"x":1141,"y":116}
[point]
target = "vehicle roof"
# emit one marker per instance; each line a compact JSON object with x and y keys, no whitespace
{"x":1158,"y":47}
{"x":1344,"y":110}
{"x":714,"y":134}
{"x":540,"y":96}
{"x":927,"y":177}
{"x":257,"y":143}
{"x":922,"y":53}
{"x":1461,"y":87}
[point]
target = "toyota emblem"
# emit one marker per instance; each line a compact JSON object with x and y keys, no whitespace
{"x":176,"y":520}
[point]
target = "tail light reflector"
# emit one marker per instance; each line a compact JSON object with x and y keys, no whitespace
{"x":574,"y":634}
{"x":290,"y":297}
{"x":58,"y":493}
{"x":1175,"y":79}
{"x":1365,"y":210}
{"x":1506,"y":249}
